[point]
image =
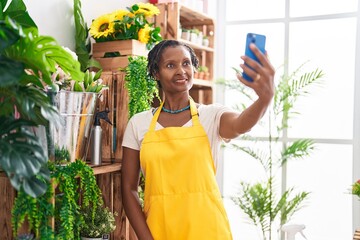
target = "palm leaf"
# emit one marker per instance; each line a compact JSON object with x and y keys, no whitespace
{"x":256,"y":202}
{"x":261,"y":156}
{"x":299,"y":149}
{"x":292,"y":206}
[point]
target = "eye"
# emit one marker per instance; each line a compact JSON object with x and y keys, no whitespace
{"x":170,"y":65}
{"x":187,"y":63}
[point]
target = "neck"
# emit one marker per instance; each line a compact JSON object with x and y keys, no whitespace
{"x":175,"y":102}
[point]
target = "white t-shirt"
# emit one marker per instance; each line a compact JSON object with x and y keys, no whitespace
{"x":209,"y":116}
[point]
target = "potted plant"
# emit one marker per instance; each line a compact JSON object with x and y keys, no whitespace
{"x":24,"y":102}
{"x":125,"y":24}
{"x":203,"y":72}
{"x":260,"y":201}
{"x":205,"y":41}
{"x":185,"y":34}
{"x":97,"y":224}
{"x":194,"y":33}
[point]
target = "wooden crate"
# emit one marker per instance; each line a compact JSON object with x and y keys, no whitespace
{"x":125,"y":48}
{"x":116,"y":100}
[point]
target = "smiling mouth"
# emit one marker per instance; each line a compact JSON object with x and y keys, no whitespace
{"x":181,"y":80}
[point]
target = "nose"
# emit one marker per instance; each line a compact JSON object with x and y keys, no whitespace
{"x":181,"y":70}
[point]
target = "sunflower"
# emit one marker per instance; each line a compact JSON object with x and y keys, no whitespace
{"x":119,"y":14}
{"x":144,"y":34}
{"x":147,"y":9}
{"x":102,"y":26}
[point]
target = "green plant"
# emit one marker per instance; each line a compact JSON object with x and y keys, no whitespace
{"x":260,"y":201}
{"x":28,"y":60}
{"x":140,"y":85}
{"x":142,"y":89}
{"x":195,"y":30}
{"x":128,"y":24}
{"x":97,"y":223}
{"x":203,"y":68}
{"x":73,"y":181}
{"x":82,"y":40}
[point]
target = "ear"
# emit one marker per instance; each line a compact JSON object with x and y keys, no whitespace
{"x":156,"y":75}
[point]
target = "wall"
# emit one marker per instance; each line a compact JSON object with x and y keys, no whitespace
{"x":55,"y":17}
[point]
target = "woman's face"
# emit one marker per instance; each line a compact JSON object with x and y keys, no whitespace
{"x":175,"y":70}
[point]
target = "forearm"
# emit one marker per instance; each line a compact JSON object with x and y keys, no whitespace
{"x":135,"y":214}
{"x":250,"y":117}
{"x":233,"y":124}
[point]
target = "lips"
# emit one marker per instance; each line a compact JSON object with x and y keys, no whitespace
{"x":181,"y":80}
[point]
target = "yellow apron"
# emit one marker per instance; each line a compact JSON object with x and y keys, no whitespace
{"x":182,"y":199}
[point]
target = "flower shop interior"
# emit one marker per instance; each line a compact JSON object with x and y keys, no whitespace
{"x":297,"y":169}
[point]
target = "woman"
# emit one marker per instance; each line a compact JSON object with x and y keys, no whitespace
{"x":175,"y":146}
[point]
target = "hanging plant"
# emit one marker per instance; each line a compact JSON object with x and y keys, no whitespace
{"x":72,"y":181}
{"x":140,"y":85}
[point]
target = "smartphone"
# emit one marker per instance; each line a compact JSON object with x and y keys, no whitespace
{"x":259,"y":40}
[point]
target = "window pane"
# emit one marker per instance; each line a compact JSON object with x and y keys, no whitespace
{"x":254,"y":9}
{"x":238,"y":167}
{"x":320,"y":7}
{"x":327,"y":112}
{"x":330,"y":204}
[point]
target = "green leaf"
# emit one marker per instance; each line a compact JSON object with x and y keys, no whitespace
{"x":17,"y":11}
{"x":11,"y":71}
{"x":34,"y":187}
{"x":8,"y":35}
{"x":21,"y":154}
{"x":82,"y":40}
{"x":299,"y":149}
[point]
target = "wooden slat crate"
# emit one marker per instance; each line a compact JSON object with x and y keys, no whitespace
{"x":125,"y":48}
{"x":116,"y":100}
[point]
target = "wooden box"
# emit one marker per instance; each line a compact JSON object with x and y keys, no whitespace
{"x":125,"y":48}
{"x":115,"y":98}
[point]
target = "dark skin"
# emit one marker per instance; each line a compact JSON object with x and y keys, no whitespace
{"x":176,"y":77}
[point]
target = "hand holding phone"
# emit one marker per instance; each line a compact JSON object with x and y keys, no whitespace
{"x":259,"y":40}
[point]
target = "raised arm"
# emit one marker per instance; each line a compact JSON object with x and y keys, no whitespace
{"x":233,"y":124}
{"x":130,"y":172}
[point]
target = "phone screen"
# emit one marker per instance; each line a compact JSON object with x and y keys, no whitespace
{"x":259,"y":40}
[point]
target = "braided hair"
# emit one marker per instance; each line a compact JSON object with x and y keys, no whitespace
{"x":156,"y":53}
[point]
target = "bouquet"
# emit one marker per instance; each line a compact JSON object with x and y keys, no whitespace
{"x":131,"y":23}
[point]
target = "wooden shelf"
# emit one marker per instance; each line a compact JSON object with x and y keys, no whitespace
{"x":106,"y":168}
{"x":196,"y":46}
{"x":192,"y":17}
{"x":200,"y":83}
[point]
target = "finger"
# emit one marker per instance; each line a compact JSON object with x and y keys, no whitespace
{"x":251,"y":68}
{"x":262,"y":57}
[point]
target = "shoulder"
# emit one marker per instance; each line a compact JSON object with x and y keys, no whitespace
{"x":142,"y":116}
